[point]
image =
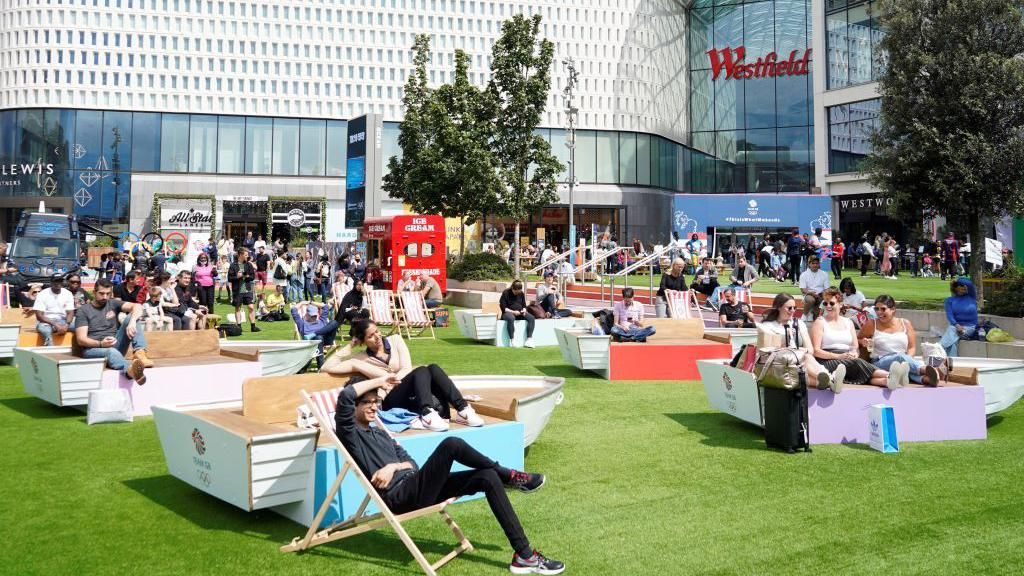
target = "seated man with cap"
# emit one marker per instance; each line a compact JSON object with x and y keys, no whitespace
{"x":54,"y":309}
{"x":314,"y":325}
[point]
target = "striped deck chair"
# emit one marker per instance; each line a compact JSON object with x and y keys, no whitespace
{"x":415,"y":315}
{"x":360,"y":521}
{"x":382,"y":310}
{"x":682,"y":304}
{"x":743,"y":295}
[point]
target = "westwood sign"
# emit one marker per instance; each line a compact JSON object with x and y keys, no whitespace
{"x":732,"y":61}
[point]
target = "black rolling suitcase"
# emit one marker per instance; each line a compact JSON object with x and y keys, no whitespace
{"x":785,"y":418}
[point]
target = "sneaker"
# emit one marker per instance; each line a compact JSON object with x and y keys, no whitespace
{"x":838,"y":376}
{"x":468,"y":417}
{"x":824,"y":380}
{"x":136,"y":371}
{"x":525,"y":481}
{"x":931,"y":377}
{"x":904,"y":374}
{"x":535,"y":564}
{"x":430,"y":421}
{"x":529,"y":343}
{"x":894,"y":380}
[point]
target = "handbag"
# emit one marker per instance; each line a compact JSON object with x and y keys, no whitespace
{"x":536,"y":311}
{"x":779,"y":367}
{"x":279,"y":273}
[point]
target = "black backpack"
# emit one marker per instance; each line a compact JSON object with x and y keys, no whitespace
{"x":607,"y":318}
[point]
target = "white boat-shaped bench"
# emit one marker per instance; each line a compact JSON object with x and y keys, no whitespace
{"x":252,"y":455}
{"x":485,"y":326}
{"x":194,"y":366}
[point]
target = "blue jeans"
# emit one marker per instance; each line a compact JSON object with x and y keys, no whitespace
{"x":115,"y":354}
{"x":431,"y":303}
{"x":325,"y":290}
{"x":633,"y":334}
{"x":47,"y":330}
{"x":886,"y":361}
{"x":324,"y":336}
{"x":294,"y":290}
{"x":951,"y":338}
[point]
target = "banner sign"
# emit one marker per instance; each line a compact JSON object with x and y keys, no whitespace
{"x":694,"y":213}
{"x":355,"y":177}
{"x":993,"y":252}
{"x":186,"y":214}
{"x":334,"y":229}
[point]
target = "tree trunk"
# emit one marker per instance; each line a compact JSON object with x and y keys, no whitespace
{"x":462,"y":237}
{"x":516,"y":249}
{"x":976,"y":266}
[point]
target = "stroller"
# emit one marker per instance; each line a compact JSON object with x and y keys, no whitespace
{"x":926,"y":267}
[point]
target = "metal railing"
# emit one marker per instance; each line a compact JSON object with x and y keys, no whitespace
{"x":650,"y":260}
{"x":595,"y":263}
{"x":549,"y":262}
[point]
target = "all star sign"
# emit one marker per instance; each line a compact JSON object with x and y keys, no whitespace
{"x":732,"y":61}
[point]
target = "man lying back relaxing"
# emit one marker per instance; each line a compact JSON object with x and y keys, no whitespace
{"x":406,"y":487}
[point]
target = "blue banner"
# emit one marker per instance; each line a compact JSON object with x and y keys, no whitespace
{"x":694,"y":213}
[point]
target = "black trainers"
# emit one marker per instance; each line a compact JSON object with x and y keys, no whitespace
{"x":255,"y":328}
{"x":525,"y":481}
{"x":535,"y":564}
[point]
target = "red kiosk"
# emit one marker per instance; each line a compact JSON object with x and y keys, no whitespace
{"x":410,"y":242}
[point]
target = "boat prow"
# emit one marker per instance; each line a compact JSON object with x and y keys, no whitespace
{"x":526,"y":399}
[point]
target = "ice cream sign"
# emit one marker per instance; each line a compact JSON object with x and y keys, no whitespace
{"x":419,"y":225}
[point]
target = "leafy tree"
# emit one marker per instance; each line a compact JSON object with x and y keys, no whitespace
{"x":951,"y":137}
{"x":519,"y":86}
{"x":446,"y":167}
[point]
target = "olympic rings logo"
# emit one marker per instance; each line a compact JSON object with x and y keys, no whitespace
{"x":175,"y":243}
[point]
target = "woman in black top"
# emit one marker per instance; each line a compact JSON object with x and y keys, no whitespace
{"x":674,"y":280}
{"x":352,"y":303}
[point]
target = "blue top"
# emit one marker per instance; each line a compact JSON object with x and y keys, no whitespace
{"x":793,"y":245}
{"x":963,"y":310}
{"x":307,"y":327}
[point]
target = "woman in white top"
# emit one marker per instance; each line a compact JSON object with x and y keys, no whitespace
{"x":285,"y":267}
{"x":779,"y":321}
{"x":835,"y":344}
{"x":342,"y":284}
{"x":854,"y":306}
{"x":891,"y":341}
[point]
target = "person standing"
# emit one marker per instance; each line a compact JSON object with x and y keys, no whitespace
{"x":242,"y":275}
{"x":282,"y":270}
{"x":867,"y":252}
{"x":794,"y":247}
{"x":885,"y":269}
{"x":203,"y":274}
{"x":838,"y":251}
{"x":249,"y":243}
{"x":308,"y":273}
{"x":950,"y":251}
{"x":262,"y":264}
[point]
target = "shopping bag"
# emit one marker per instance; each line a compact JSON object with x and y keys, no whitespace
{"x":882,"y":419}
{"x":441,"y":317}
{"x":109,"y":405}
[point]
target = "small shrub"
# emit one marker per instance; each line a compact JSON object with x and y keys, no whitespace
{"x":481,"y":266}
{"x":1009,"y":299}
{"x":102,"y":242}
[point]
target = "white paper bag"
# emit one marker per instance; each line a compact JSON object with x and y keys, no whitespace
{"x":883,"y":428}
{"x":109,"y":406}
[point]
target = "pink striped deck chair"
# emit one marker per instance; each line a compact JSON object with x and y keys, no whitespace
{"x":682,"y":304}
{"x":415,"y":315}
{"x":382,"y":310}
{"x":743,"y":295}
{"x":360,"y":521}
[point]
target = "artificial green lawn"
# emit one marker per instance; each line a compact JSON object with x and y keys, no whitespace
{"x":926,"y":293}
{"x":643,"y":478}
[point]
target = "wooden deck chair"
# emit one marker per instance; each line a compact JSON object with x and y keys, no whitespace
{"x":682,"y":304}
{"x":361,"y":522}
{"x":743,"y":295}
{"x":415,"y":315}
{"x":382,"y":310}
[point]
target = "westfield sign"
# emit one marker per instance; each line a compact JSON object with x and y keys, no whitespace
{"x":732,"y":62}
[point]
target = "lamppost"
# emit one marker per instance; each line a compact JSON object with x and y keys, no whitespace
{"x":571,"y":114}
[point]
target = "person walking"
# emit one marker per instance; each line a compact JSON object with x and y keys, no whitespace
{"x":838,"y":251}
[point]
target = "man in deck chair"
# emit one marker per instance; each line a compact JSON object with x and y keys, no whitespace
{"x":312,"y":323}
{"x":406,"y":487}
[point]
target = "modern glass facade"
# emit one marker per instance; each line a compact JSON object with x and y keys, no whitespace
{"x":849,"y":133}
{"x":756,"y":130}
{"x":853,"y":33}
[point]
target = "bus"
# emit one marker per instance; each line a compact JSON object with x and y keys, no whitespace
{"x":46,"y":243}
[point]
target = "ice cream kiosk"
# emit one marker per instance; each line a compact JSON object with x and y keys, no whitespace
{"x":410,"y":242}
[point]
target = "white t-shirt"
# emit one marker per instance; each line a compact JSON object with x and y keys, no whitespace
{"x":855,"y":299}
{"x":260,"y":243}
{"x":815,"y":281}
{"x":54,"y":306}
{"x":547,"y":255}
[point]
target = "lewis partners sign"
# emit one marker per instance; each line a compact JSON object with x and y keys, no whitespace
{"x":732,"y":61}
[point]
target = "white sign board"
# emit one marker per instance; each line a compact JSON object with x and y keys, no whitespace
{"x":334,"y":228}
{"x":731,"y":390}
{"x":186,"y":214}
{"x":993,"y":252}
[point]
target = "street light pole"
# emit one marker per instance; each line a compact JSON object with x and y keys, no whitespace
{"x":571,"y":113}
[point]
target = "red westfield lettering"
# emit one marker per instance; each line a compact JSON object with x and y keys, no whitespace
{"x":731,"y":61}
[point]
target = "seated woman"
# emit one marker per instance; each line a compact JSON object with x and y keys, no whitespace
{"x":891,"y":340}
{"x":425,"y":390}
{"x":835,"y":344}
{"x":353,"y":305}
{"x":854,"y":306}
{"x":962,"y":314}
{"x":779,"y":321}
{"x":271,"y":307}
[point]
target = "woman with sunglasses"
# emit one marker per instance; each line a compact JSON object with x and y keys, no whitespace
{"x":891,"y":340}
{"x":780,"y":322}
{"x":203,"y":274}
{"x":424,"y":390}
{"x":835,"y":343}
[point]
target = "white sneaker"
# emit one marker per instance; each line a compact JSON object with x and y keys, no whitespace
{"x":529,"y":343}
{"x":895,"y":379}
{"x":468,"y":417}
{"x":513,"y":343}
{"x":838,"y":376}
{"x":904,"y":374}
{"x":430,"y":421}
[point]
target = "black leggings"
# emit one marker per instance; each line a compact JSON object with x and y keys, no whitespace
{"x":837,"y":268}
{"x":434,"y":483}
{"x":794,"y":268}
{"x":415,"y":390}
{"x":865,"y":261}
{"x":206,"y":297}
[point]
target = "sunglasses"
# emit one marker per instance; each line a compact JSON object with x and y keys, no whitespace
{"x":378,"y":402}
{"x":829,"y":304}
{"x":789,"y":307}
